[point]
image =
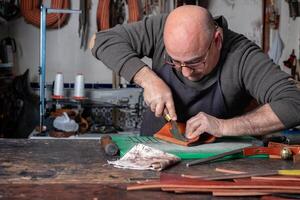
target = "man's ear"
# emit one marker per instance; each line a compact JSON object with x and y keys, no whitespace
{"x":92,"y":41}
{"x":219,"y":39}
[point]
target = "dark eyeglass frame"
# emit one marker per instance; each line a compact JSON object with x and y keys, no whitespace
{"x":194,"y":64}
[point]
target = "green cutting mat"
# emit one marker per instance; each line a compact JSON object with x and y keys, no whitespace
{"x":126,"y":142}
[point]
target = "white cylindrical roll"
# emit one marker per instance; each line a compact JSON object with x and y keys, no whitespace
{"x":79,"y":86}
{"x":58,"y":90}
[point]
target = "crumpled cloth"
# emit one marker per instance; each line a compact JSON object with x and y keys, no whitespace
{"x":64,"y":123}
{"x":142,"y":157}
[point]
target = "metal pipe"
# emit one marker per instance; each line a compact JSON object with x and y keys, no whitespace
{"x":51,"y":10}
{"x":42,"y":65}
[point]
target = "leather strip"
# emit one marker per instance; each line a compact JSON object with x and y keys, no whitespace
{"x":165,"y":134}
{"x":186,"y":184}
{"x":273,"y":149}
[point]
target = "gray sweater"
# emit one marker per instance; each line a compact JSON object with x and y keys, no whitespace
{"x":246,"y":72}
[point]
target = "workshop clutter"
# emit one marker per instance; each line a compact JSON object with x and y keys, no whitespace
{"x":79,"y":87}
{"x":58,"y":88}
{"x":64,"y":123}
{"x":94,"y":109}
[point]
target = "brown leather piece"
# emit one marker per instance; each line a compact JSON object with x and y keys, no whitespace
{"x":276,"y":178}
{"x":249,"y":151}
{"x":60,"y":134}
{"x":165,"y":134}
{"x":295,"y":149}
{"x":247,"y":187}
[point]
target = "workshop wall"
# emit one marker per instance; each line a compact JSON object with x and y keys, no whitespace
{"x":63,"y":45}
{"x":289,"y":30}
{"x":63,"y":53}
{"x":243,"y":16}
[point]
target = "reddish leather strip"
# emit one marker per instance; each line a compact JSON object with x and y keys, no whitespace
{"x":273,"y":149}
{"x":182,"y":183}
{"x":249,"y":151}
{"x":294,"y":148}
{"x":232,"y":192}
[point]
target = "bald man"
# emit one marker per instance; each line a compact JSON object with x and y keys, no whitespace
{"x":202,"y":73}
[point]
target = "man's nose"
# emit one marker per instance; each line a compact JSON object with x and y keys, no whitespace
{"x":186,"y":71}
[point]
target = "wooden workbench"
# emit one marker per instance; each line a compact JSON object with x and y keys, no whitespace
{"x":77,"y":169}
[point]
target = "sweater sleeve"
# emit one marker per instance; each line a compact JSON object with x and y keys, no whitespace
{"x":122,"y":47}
{"x":269,"y":84}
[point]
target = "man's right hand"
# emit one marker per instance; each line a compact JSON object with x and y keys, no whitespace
{"x":157,"y":94}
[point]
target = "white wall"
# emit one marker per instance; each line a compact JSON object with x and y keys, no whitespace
{"x":64,"y":55}
{"x":289,"y":30}
{"x":243,"y":16}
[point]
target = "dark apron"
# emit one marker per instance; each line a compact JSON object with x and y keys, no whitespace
{"x":188,"y":101}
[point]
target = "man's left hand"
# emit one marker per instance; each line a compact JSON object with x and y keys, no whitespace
{"x":202,"y":123}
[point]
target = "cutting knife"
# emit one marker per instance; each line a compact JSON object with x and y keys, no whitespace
{"x":174,"y":129}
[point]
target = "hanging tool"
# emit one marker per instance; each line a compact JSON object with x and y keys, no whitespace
{"x":83,"y":27}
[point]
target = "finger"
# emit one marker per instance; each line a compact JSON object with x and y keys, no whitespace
{"x":147,"y":102}
{"x":171,"y":109}
{"x":159,"y":110}
{"x":191,"y":125}
{"x":152,"y":107}
{"x":197,"y":132}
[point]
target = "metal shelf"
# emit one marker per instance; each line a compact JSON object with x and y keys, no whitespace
{"x":6,"y":65}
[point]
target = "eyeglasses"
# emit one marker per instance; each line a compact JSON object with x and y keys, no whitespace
{"x":192,"y":65}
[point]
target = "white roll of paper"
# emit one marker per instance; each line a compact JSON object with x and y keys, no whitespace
{"x":79,"y":86}
{"x":58,"y":85}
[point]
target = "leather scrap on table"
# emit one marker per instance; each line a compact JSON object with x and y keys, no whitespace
{"x":238,"y":187}
{"x":142,"y":157}
{"x":165,"y":134}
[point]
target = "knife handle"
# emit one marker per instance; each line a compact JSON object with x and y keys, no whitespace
{"x":167,"y":117}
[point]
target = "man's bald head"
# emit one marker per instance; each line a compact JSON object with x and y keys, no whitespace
{"x":187,"y":29}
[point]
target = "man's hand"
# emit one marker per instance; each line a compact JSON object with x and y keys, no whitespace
{"x":258,"y":122}
{"x":202,"y":123}
{"x":157,"y":94}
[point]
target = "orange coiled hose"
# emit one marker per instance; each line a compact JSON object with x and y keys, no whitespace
{"x":31,"y":12}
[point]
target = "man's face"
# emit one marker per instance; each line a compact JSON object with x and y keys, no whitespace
{"x":195,"y":62}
